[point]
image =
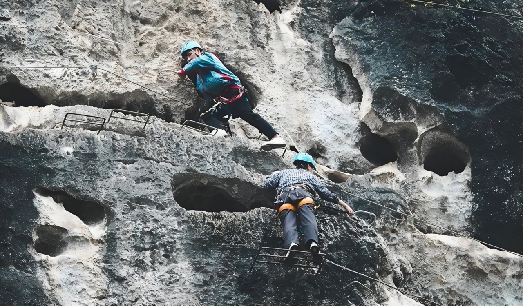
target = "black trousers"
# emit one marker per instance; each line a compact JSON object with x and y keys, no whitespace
{"x":240,"y":108}
{"x":308,"y":222}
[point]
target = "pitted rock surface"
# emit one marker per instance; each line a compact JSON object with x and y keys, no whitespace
{"x":413,"y":114}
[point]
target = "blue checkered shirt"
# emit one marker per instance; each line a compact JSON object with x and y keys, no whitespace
{"x":292,"y":177}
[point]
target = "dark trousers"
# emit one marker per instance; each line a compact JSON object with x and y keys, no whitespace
{"x":241,"y":108}
{"x":308,"y":222}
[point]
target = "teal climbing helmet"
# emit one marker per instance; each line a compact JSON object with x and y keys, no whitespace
{"x":188,"y":46}
{"x":304,"y":157}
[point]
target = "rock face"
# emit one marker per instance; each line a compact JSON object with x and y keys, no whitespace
{"x":422,"y":105}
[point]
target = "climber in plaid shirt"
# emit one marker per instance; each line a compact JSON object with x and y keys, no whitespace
{"x":294,"y":196}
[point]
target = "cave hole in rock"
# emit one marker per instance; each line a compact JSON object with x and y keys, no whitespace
{"x":90,"y":212}
{"x":442,"y":161}
{"x":204,"y":192}
{"x":208,"y":198}
{"x":21,"y":95}
{"x":50,"y":240}
{"x":441,"y":153}
{"x":377,"y":150}
{"x":271,"y":5}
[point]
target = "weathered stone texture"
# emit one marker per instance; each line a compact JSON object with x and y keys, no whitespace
{"x":420,"y":105}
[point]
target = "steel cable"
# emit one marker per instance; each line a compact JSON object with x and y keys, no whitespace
{"x":463,"y":8}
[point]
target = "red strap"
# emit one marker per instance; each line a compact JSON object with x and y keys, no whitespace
{"x":230,"y":87}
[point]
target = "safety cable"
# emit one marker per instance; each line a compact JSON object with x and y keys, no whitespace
{"x":463,"y":8}
{"x":411,"y":214}
{"x":158,"y":93}
{"x":171,"y":97}
{"x":40,"y":67}
{"x":379,"y":281}
{"x":100,"y":37}
{"x":457,"y":234}
{"x":94,"y":68}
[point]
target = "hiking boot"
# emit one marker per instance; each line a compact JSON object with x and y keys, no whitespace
{"x":313,"y":247}
{"x":290,"y":256}
{"x":276,"y":142}
{"x":220,"y":133}
{"x":317,"y":259}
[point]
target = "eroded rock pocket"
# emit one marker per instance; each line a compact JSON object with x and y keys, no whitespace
{"x":209,"y":193}
{"x":90,"y":212}
{"x":20,"y":94}
{"x":442,"y":153}
{"x":377,"y":150}
{"x":50,"y":240}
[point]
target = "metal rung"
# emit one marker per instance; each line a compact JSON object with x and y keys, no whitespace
{"x":130,"y":113}
{"x":297,"y":265}
{"x":277,"y":259}
{"x":287,"y":249}
{"x":94,"y":122}
{"x":204,"y":127}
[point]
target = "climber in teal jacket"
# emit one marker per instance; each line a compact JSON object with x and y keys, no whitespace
{"x":214,"y":82}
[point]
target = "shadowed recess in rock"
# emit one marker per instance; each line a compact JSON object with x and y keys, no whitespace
{"x":21,"y":95}
{"x":377,"y":150}
{"x":50,"y":240}
{"x":442,"y":153}
{"x":209,"y":193}
{"x":442,"y":161}
{"x":89,"y":212}
{"x":271,"y":5}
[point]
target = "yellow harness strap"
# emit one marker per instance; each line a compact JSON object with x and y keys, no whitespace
{"x":304,"y":201}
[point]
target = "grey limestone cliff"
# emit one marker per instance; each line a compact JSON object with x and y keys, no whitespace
{"x":413,"y":112}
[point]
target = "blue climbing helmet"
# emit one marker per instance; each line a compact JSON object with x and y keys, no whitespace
{"x":304,"y":157}
{"x":188,"y":46}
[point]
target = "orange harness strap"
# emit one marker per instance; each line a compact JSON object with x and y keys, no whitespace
{"x":304,"y":201}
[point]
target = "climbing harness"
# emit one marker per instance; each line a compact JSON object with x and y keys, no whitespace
{"x":294,"y":197}
{"x":305,"y":201}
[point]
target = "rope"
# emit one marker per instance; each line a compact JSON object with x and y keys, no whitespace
{"x":437,"y":226}
{"x":171,"y":97}
{"x":158,"y":93}
{"x":82,"y":32}
{"x":463,"y":8}
{"x":39,"y":67}
{"x":95,"y":67}
{"x":379,"y":204}
{"x":415,"y":218}
{"x":379,"y":281}
{"x":211,"y":109}
{"x":471,"y":238}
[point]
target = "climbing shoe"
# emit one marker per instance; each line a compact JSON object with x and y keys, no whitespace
{"x":290,"y":256}
{"x":315,"y":250}
{"x":313,"y":247}
{"x":276,"y":142}
{"x":317,"y":259}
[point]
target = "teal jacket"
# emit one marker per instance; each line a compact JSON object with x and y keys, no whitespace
{"x":212,"y":75}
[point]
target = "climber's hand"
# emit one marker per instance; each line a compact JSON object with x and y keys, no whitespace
{"x":348,"y":208}
{"x":181,"y":75}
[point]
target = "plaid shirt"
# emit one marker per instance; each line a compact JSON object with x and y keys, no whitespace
{"x":292,"y":177}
